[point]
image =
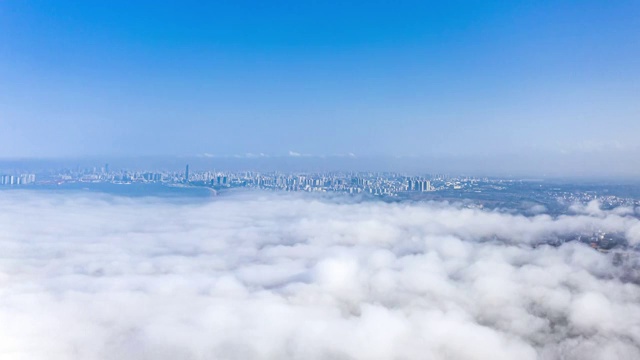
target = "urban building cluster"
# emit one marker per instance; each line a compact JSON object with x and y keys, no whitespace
{"x":606,"y":201}
{"x":381,"y":184}
{"x":20,"y":179}
{"x":482,"y":191}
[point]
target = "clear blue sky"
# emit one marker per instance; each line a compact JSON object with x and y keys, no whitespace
{"x":445,"y":78}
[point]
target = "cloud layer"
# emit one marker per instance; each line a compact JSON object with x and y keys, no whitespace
{"x":264,"y":276}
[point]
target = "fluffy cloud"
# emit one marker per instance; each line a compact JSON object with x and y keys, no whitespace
{"x":264,"y":276}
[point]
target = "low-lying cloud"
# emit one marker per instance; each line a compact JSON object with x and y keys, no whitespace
{"x":265,"y":276}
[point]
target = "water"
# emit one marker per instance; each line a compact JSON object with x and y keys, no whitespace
{"x":126,"y":190}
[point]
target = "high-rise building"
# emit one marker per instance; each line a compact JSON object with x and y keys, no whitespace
{"x":409,"y":185}
{"x":186,"y":174}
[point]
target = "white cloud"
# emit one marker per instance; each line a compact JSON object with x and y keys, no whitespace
{"x":278,"y":277}
{"x":299,"y":154}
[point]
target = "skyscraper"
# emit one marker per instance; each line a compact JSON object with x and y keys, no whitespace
{"x":186,"y":174}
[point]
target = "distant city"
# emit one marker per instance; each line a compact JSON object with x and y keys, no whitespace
{"x":378,"y":184}
{"x":483,"y":191}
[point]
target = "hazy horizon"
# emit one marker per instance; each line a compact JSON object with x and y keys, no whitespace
{"x":566,"y":166}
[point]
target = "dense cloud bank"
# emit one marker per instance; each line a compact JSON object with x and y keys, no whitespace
{"x":282,"y":277}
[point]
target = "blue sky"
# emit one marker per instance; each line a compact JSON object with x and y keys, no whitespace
{"x":459,"y":78}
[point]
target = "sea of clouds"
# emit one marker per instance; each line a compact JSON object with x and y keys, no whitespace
{"x":267,"y":276}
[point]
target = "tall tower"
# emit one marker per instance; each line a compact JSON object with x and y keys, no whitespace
{"x":186,"y":174}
